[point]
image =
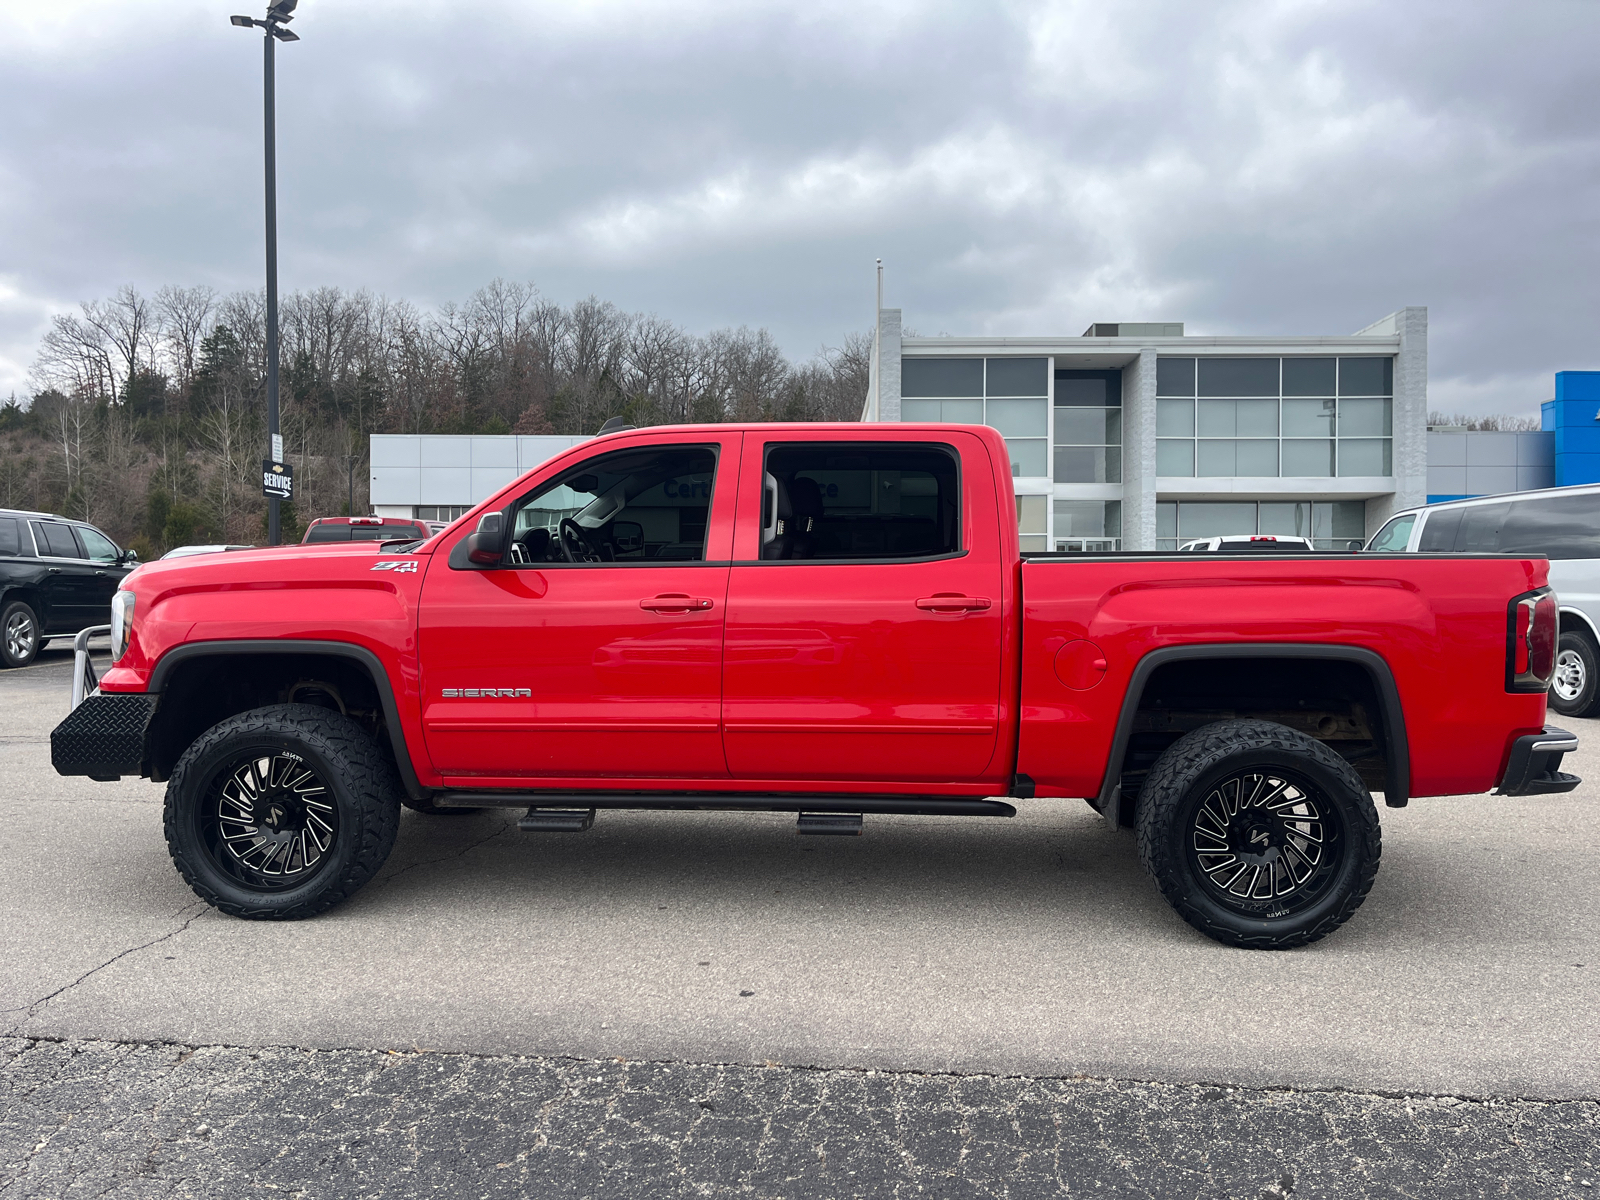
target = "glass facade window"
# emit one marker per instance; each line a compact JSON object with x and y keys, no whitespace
{"x":1008,"y":394}
{"x":1088,"y":526}
{"x":1088,"y":433}
{"x":1274,"y":417}
{"x":1032,"y":517}
{"x":1330,"y":524}
{"x":439,"y":512}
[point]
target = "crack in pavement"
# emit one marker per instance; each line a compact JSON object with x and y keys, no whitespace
{"x":31,"y":1009}
{"x":505,"y":827}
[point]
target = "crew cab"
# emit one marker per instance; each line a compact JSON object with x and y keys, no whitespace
{"x":830,"y":620}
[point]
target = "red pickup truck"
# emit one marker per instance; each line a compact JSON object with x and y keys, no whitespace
{"x":831,"y":620}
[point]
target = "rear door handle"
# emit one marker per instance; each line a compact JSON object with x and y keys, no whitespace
{"x":675,"y":603}
{"x":54,"y":570}
{"x":952,"y":602}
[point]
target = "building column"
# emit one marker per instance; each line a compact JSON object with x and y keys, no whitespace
{"x":1139,"y":452}
{"x":888,"y":364}
{"x":1410,"y":430}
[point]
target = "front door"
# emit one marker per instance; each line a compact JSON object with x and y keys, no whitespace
{"x":594,"y":649}
{"x":865,"y":614}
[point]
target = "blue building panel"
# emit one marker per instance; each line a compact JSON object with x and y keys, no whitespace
{"x":1574,"y":417}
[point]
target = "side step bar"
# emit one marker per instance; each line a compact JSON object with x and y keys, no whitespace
{"x":942,"y":806}
{"x":556,"y":820}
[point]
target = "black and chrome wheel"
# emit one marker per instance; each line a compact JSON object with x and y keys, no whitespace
{"x":270,"y":821}
{"x":1575,"y":683}
{"x":281,"y":812}
{"x":1257,"y":835}
{"x":20,"y":638}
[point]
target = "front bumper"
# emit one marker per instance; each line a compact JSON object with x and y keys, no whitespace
{"x":1534,"y":767}
{"x":104,"y":737}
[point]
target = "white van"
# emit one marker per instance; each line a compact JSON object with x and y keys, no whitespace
{"x":1563,"y":524}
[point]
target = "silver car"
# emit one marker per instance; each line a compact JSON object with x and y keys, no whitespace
{"x":1562,"y":524}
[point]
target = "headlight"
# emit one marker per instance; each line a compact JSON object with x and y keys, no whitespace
{"x":121,"y":622}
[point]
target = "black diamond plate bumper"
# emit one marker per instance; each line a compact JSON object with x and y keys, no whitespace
{"x":104,"y":736}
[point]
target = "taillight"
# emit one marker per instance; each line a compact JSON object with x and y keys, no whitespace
{"x":1531,"y":641}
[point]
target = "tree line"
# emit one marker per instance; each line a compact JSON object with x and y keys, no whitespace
{"x":148,"y":413}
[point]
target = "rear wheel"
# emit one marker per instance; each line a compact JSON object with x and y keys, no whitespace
{"x":20,"y":636}
{"x":1258,"y":835}
{"x":281,"y":812}
{"x":1576,"y":680}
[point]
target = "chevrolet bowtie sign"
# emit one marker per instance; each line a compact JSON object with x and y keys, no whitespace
{"x":277,"y":479}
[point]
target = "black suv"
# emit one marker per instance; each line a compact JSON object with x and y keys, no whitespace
{"x":56,"y":577}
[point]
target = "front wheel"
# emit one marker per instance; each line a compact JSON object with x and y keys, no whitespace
{"x":282,"y":812}
{"x":1575,"y":682}
{"x":1258,"y":835}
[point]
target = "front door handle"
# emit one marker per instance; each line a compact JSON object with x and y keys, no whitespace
{"x":950,"y":602}
{"x":54,"y":570}
{"x":675,"y":602}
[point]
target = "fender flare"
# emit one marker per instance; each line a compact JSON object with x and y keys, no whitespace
{"x":1397,"y":752}
{"x":374,"y":667}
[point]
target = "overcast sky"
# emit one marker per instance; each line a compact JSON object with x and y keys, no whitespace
{"x":1273,"y":168}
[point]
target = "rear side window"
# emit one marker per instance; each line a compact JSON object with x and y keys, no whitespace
{"x":1480,"y":528}
{"x":1440,"y":529}
{"x":10,"y":536}
{"x":850,"y":501}
{"x":1395,"y":534}
{"x":55,"y":540}
{"x":1553,"y":526}
{"x":328,"y":533}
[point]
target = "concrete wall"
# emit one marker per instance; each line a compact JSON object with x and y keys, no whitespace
{"x":1485,"y":463}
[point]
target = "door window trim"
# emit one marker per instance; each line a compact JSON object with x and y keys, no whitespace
{"x":458,"y":553}
{"x":867,"y":446}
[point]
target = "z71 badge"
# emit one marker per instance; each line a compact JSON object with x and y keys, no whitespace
{"x":406,"y":566}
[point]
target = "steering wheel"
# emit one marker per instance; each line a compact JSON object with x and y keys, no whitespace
{"x":572,"y":535}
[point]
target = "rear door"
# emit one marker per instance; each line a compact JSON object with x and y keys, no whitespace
{"x":602,"y":660}
{"x":865,"y":610}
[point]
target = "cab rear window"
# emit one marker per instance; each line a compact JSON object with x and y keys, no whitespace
{"x":364,"y":533}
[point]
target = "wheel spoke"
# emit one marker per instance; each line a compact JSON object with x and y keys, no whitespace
{"x":272,"y":821}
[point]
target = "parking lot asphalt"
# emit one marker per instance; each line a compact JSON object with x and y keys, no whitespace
{"x":1025,"y":947}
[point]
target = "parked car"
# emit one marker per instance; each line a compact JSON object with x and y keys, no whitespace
{"x":826,"y":619}
{"x":186,"y":551}
{"x":363,"y":529}
{"x":1561,"y":524}
{"x":57,"y":576}
{"x":1249,"y":543}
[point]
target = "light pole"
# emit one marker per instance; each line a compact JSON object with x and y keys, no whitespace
{"x":278,"y":15}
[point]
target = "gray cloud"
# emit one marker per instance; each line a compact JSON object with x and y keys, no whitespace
{"x":1022,"y":168}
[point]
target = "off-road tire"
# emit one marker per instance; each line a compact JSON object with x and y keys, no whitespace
{"x":19,"y":613}
{"x":1574,"y":649}
{"x":358,"y":774}
{"x":1183,"y":781}
{"x":431,"y":809}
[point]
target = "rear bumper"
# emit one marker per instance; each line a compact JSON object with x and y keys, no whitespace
{"x":1535,"y":765}
{"x":104,"y":737}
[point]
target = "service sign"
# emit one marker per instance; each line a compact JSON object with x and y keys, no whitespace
{"x":277,"y":479}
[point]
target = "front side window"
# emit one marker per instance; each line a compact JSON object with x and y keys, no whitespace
{"x":645,"y":505}
{"x":854,"y":501}
{"x":97,"y":544}
{"x":1395,"y":534}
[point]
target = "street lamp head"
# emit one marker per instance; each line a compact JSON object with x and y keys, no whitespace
{"x":244,"y":22}
{"x":285,"y":35}
{"x":281,"y":10}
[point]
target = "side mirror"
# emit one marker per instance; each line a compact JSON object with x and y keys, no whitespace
{"x":128,"y":556}
{"x":487,"y":546}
